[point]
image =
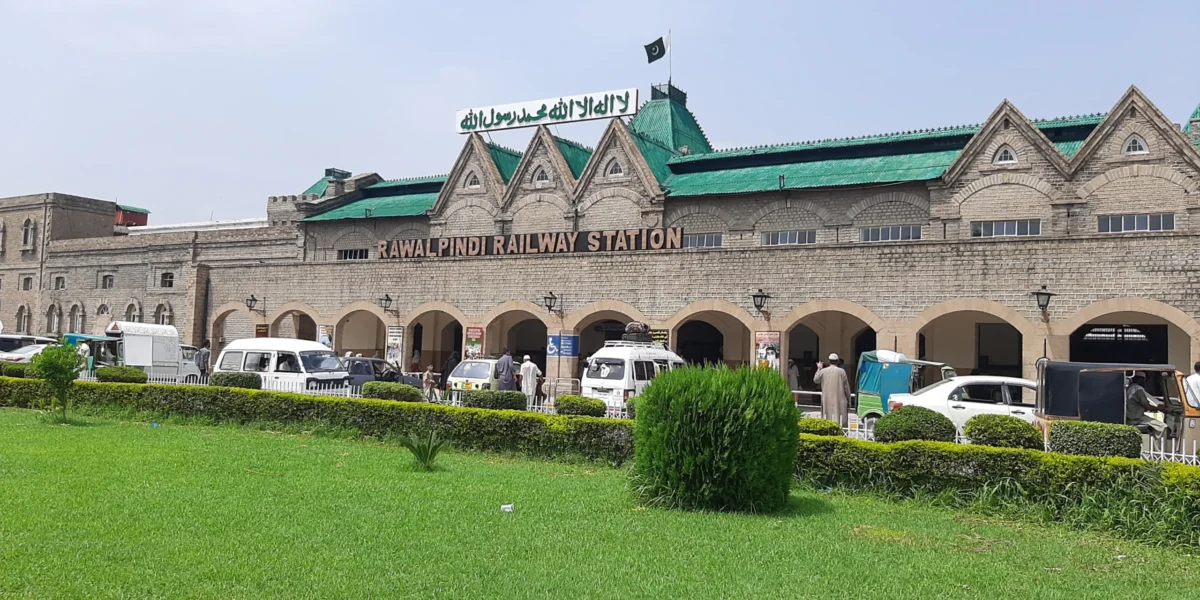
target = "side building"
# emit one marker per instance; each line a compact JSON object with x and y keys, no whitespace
{"x":929,"y":242}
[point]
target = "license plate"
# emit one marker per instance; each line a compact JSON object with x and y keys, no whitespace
{"x":466,"y":385}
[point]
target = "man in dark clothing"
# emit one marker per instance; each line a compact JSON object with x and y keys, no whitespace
{"x":447,"y":369}
{"x":504,"y":372}
{"x":202,"y":357}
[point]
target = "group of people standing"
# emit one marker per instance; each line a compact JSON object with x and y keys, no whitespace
{"x":509,"y":376}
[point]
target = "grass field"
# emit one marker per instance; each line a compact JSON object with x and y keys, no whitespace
{"x":114,"y":509}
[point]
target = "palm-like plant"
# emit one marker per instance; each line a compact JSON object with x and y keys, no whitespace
{"x":424,"y":448}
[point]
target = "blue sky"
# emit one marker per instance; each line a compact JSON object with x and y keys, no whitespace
{"x":199,"y":108}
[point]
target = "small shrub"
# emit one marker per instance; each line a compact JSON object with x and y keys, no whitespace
{"x":631,"y":407}
{"x":1003,"y":431}
{"x":16,"y":370}
{"x":495,"y":400}
{"x":914,"y":423}
{"x":578,"y":405}
{"x":716,"y":439}
{"x":246,"y":381}
{"x":121,"y":375}
{"x":1089,"y":438}
{"x":58,"y":367}
{"x":399,"y":392}
{"x":819,"y":426}
{"x":424,"y":448}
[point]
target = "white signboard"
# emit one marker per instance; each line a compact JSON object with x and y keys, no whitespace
{"x":568,"y":109}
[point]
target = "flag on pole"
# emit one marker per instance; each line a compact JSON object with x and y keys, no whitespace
{"x":658,"y":48}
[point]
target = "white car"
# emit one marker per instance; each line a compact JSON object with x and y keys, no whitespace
{"x":22,"y":355}
{"x":961,"y":398}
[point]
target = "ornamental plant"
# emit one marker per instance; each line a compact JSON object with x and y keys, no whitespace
{"x":58,"y":367}
{"x":1090,"y":438}
{"x":819,"y":426}
{"x":914,"y":423}
{"x":1003,"y":431}
{"x":248,"y":381}
{"x":120,"y":375}
{"x":399,"y":392}
{"x":495,"y":399}
{"x":568,"y":404}
{"x":715,"y":439}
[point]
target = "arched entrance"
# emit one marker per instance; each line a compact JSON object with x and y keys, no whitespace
{"x":974,"y":343}
{"x":520,"y":331}
{"x":1131,"y":337}
{"x":435,"y":334}
{"x":294,"y":324}
{"x":712,"y":337}
{"x":594,"y":334}
{"x":231,"y":322}
{"x":815,"y":335}
{"x":360,"y":332}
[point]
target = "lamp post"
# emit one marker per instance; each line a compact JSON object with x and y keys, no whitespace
{"x":251,"y":302}
{"x":550,"y":301}
{"x":386,"y":304}
{"x":1043,"y":297}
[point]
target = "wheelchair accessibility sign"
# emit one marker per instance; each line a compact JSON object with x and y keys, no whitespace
{"x":566,"y":346}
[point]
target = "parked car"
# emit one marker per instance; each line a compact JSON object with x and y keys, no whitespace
{"x":474,"y":374}
{"x":963,"y":397}
{"x":364,"y":370}
{"x":24,"y":354}
{"x":9,"y":342}
{"x":284,"y":363}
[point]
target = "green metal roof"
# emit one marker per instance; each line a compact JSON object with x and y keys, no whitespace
{"x":405,"y":205}
{"x":576,"y":155}
{"x":133,"y":209}
{"x":506,"y":160}
{"x":820,"y":173}
{"x":319,"y":187}
{"x":408,"y":181}
{"x":1069,"y":148}
{"x":671,"y":125}
{"x":1187,"y":127}
{"x":655,"y":154}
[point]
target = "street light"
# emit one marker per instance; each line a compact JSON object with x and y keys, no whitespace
{"x":1043,"y":297}
{"x":550,"y":300}
{"x":251,"y":302}
{"x":760,"y":299}
{"x":386,"y":304}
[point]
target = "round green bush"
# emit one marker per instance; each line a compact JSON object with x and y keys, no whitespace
{"x":578,"y":405}
{"x":716,"y":439}
{"x":819,"y":426}
{"x":494,"y":399}
{"x":248,"y":381}
{"x":1089,"y":438}
{"x":914,"y":423}
{"x":1004,"y":431}
{"x":19,"y":370}
{"x":120,"y":375}
{"x":384,"y":390}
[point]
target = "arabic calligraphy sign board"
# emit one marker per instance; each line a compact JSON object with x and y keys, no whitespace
{"x":566,"y":109}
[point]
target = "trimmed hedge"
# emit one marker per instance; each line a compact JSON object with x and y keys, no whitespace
{"x":578,"y":405}
{"x":631,"y":407}
{"x":1089,"y":438}
{"x":246,"y":381}
{"x":1003,"y":431}
{"x":819,"y":426}
{"x":716,"y":439}
{"x":495,"y":399}
{"x":121,"y":375}
{"x":914,"y":423}
{"x":19,"y":370}
{"x":530,"y":433}
{"x":1145,"y":500}
{"x":385,"y":390}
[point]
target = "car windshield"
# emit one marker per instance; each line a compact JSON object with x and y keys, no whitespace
{"x":320,"y":361}
{"x":606,"y":368}
{"x":929,"y":387}
{"x":473,"y":369}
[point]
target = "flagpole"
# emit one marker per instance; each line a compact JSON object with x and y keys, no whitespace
{"x":670,"y":57}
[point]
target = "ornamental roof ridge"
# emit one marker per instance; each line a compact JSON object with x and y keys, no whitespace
{"x":417,"y":179}
{"x":496,"y":146}
{"x":573,"y":143}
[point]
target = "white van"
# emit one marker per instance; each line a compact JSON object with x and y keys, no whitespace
{"x":284,"y":363}
{"x":621,"y":370}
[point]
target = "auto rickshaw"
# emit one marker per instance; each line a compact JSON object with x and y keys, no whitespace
{"x":882,"y":373}
{"x":1098,"y":392}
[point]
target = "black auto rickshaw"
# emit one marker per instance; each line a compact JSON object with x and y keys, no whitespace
{"x":1099,"y":392}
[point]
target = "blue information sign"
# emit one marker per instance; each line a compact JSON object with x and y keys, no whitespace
{"x":566,"y":346}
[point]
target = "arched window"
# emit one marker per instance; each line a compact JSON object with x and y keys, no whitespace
{"x":1135,"y":144}
{"x":75,"y":319}
{"x":614,"y":169}
{"x":23,"y":320}
{"x":131,"y":313}
{"x":472,"y":181}
{"x":102,"y":310}
{"x":541,"y":178}
{"x":54,"y":320}
{"x":163,"y":315}
{"x":28,"y":233}
{"x":1005,"y":156}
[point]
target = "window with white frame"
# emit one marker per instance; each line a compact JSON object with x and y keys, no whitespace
{"x":1009,"y":228}
{"x":75,"y":319}
{"x":890,"y":233}
{"x":54,"y":320}
{"x":472,"y":181}
{"x":1129,"y":223}
{"x":163,"y":315}
{"x":22,"y":320}
{"x":132,"y":314}
{"x":102,"y":310}
{"x":614,"y":169}
{"x":107,"y":282}
{"x":702,"y":240}
{"x":787,"y":238}
{"x":28,"y":233}
{"x":354,"y":254}
{"x":1135,"y":144}
{"x":166,"y":280}
{"x":1005,"y":156}
{"x":541,"y":178}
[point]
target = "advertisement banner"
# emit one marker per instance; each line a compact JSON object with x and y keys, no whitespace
{"x":395,"y":345}
{"x":262,"y":330}
{"x":767,"y":344}
{"x":473,"y":348}
{"x":661,"y":336}
{"x":325,"y":335}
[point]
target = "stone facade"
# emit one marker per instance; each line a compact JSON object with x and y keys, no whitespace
{"x":933,"y":296}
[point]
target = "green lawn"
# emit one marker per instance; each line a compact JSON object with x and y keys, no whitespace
{"x":113,"y":509}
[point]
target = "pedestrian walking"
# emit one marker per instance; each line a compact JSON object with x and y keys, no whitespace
{"x":447,"y":369}
{"x":431,"y":388}
{"x":793,"y":375}
{"x":835,"y":390}
{"x":504,"y":372}
{"x":202,"y":357}
{"x":529,"y":376}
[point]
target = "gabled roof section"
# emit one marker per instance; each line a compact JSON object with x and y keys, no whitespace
{"x":618,"y":134}
{"x":506,"y":160}
{"x":655,"y":154}
{"x":577,"y":155}
{"x":393,"y":198}
{"x":1007,"y":115}
{"x":319,"y":187}
{"x":672,"y":125}
{"x":496,"y":181}
{"x":1134,"y":97}
{"x":559,"y":166}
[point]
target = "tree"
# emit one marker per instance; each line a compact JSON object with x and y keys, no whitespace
{"x":59,"y":367}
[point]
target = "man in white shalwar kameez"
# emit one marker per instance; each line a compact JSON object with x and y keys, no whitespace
{"x":529,"y":376}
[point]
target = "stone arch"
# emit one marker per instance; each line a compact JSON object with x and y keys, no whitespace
{"x":579,"y":315}
{"x":76,"y":310}
{"x":805,"y":205}
{"x":790,"y":320}
{"x":352,"y":231}
{"x":231,"y":307}
{"x":1146,"y":131}
{"x":1021,"y":179}
{"x":1126,"y":172}
{"x":419,"y":229}
{"x":1001,"y":311}
{"x":721,"y":306}
{"x":54,"y":318}
{"x":903,"y":197}
{"x":361,"y":305}
{"x":1147,"y":306}
{"x":538,"y":312}
{"x":696,"y":209}
{"x":121,"y":316}
{"x":293,"y":307}
{"x":526,"y":200}
{"x":164,"y":309}
{"x":436,"y":306}
{"x":615,"y":192}
{"x":1019,"y":144}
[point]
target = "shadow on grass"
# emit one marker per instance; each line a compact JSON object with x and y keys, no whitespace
{"x":804,"y":505}
{"x":56,"y":418}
